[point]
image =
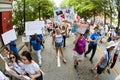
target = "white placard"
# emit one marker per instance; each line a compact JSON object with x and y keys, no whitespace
{"x":33,"y":27}
{"x":9,"y":36}
{"x":82,"y":28}
{"x":25,"y":38}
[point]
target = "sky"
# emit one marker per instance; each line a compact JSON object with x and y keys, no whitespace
{"x":57,"y":2}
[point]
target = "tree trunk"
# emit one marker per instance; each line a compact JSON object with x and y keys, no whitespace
{"x":118,"y":18}
{"x":104,"y":18}
{"x":94,"y":15}
{"x":110,"y":13}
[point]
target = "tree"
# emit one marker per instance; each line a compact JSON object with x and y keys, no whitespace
{"x":117,"y":2}
{"x":33,"y":8}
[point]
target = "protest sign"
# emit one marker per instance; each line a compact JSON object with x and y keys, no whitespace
{"x":82,"y":28}
{"x":9,"y":36}
{"x":25,"y":38}
{"x":33,"y":27}
{"x":3,"y":77}
{"x":64,"y":13}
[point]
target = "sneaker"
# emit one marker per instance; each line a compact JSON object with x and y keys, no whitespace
{"x":77,"y":63}
{"x":85,"y":55}
{"x":91,"y":61}
{"x":108,"y":71}
{"x":91,"y":70}
{"x":64,"y":61}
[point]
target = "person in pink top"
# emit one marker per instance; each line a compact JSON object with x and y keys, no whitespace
{"x":79,"y":49}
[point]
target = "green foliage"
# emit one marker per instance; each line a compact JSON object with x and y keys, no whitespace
{"x":32,"y":9}
{"x":88,"y":8}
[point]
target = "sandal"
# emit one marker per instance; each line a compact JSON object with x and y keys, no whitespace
{"x":64,"y":61}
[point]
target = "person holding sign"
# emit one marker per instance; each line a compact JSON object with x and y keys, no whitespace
{"x":35,"y":43}
{"x":13,"y":47}
{"x":79,"y":49}
{"x":31,"y":67}
{"x":57,"y":39}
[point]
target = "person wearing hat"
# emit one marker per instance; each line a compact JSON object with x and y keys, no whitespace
{"x":94,"y":38}
{"x":104,"y":60}
{"x":79,"y":49}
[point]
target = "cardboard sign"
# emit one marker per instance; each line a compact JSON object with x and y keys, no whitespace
{"x":82,"y":28}
{"x":25,"y":38}
{"x":33,"y":27}
{"x":9,"y":36}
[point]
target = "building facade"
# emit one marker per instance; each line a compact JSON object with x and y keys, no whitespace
{"x":5,"y":17}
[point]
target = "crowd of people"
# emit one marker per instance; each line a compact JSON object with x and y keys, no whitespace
{"x":22,"y":65}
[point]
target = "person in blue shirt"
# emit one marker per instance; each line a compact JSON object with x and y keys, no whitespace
{"x":35,"y":43}
{"x":93,"y":44}
{"x":13,"y":47}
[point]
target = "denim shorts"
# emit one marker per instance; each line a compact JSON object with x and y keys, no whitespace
{"x":57,"y":45}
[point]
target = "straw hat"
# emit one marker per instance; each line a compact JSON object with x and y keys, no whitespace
{"x":110,"y":44}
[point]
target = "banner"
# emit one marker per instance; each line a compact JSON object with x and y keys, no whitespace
{"x":33,"y":27}
{"x":65,"y":13}
{"x":9,"y":36}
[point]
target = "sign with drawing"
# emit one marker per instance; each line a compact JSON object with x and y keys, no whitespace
{"x":65,"y":13}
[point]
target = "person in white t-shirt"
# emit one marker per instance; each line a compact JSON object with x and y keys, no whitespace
{"x":31,"y":68}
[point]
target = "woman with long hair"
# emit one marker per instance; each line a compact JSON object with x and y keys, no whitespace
{"x":31,"y":67}
{"x":57,"y":40}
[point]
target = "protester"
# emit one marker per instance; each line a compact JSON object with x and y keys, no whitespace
{"x":35,"y":43}
{"x":31,"y":67}
{"x":6,"y":52}
{"x":13,"y":47}
{"x":17,"y":64}
{"x":75,"y":27}
{"x":57,"y":40}
{"x":94,"y":38}
{"x":116,"y":53}
{"x":102,"y":32}
{"x":79,"y":49}
{"x":64,"y":33}
{"x":105,"y":60}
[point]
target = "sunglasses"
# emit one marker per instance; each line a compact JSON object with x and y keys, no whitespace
{"x":12,"y":57}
